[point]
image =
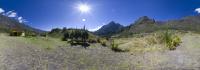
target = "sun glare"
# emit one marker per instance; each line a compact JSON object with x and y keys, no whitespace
{"x":83,"y":20}
{"x":84,"y":8}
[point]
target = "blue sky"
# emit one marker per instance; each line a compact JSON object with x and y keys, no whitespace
{"x":48,"y":14}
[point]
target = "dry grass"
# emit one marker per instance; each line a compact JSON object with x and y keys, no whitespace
{"x":18,"y":54}
{"x":148,"y":42}
{"x":41,"y":42}
{"x":47,"y":43}
{"x":147,"y":53}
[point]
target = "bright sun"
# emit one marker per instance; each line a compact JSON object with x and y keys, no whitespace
{"x":84,"y":8}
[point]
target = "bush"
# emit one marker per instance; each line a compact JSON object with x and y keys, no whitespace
{"x":171,"y":41}
{"x":48,"y":48}
{"x":103,"y":43}
{"x":177,"y":40}
{"x":92,"y":41}
{"x":15,"y":33}
{"x":115,"y":47}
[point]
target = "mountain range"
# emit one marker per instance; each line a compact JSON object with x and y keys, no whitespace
{"x":142,"y":25}
{"x":109,"y":29}
{"x":145,"y":25}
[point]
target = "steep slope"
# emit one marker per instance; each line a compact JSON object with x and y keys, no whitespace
{"x":142,"y":25}
{"x":109,"y":29}
{"x":146,"y":25}
{"x":7,"y":24}
{"x":189,"y":23}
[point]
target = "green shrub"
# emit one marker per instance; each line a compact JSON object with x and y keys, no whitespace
{"x":48,"y":48}
{"x":103,"y":43}
{"x":171,"y":41}
{"x":15,"y":33}
{"x":177,"y":40}
{"x":92,"y":40}
{"x":115,"y":47}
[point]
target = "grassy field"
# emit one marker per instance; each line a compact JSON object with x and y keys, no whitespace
{"x":145,"y":53}
{"x":40,"y":42}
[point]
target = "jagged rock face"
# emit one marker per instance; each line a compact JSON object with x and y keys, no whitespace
{"x":109,"y":29}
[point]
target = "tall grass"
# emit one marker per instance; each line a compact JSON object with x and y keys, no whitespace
{"x":156,"y":41}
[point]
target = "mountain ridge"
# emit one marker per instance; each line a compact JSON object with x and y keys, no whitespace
{"x":7,"y":24}
{"x":145,"y":24}
{"x":109,"y":29}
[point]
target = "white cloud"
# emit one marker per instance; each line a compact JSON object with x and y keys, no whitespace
{"x":1,"y":10}
{"x":197,"y":10}
{"x":21,"y":20}
{"x":11,"y":14}
{"x":8,"y":12}
{"x":95,"y":29}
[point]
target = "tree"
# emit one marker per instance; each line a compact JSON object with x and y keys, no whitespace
{"x":64,"y":30}
{"x":76,"y":34}
{"x":66,"y":36}
{"x":72,"y":34}
{"x":85,"y":36}
{"x":56,"y":30}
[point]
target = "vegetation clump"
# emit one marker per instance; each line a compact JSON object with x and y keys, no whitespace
{"x":102,"y":41}
{"x":115,"y":47}
{"x":171,"y":41}
{"x":76,"y":37}
{"x":15,"y":33}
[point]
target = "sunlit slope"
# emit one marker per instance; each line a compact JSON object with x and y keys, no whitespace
{"x":147,"y":54}
{"x":148,"y":25}
{"x":7,"y":24}
{"x":145,"y":42}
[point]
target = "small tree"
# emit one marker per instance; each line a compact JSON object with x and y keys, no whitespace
{"x":56,"y":30}
{"x":72,"y":34}
{"x":85,"y":35}
{"x":64,"y":30}
{"x":66,"y":36}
